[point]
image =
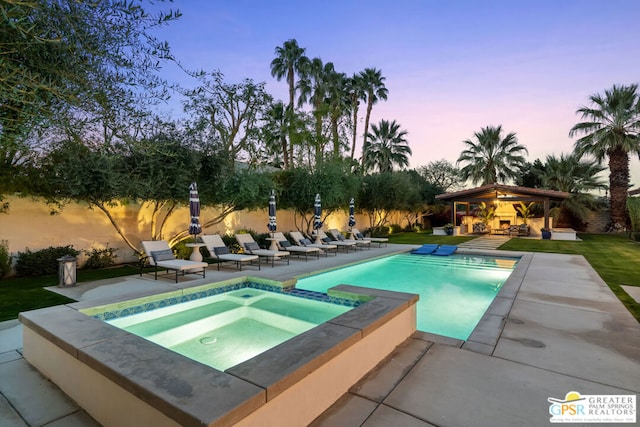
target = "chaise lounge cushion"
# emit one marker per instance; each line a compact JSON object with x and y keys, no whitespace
{"x":164,"y":255}
{"x":221,"y":251}
{"x":251,"y":246}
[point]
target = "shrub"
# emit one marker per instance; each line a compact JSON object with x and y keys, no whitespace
{"x":100,"y":258}
{"x":5,"y":259}
{"x":43,"y":262}
{"x":633,"y":204}
{"x":181,"y":251}
{"x":395,"y":228}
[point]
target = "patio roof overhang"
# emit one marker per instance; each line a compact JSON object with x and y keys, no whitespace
{"x":503,"y":193}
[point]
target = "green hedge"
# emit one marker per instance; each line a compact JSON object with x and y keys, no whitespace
{"x":43,"y":262}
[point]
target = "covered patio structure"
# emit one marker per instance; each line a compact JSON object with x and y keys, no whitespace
{"x":501,"y":193}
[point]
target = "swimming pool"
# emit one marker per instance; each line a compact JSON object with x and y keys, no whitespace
{"x":455,"y":291}
{"x":224,"y":330}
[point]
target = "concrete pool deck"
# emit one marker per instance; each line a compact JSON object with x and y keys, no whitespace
{"x":565,"y":331}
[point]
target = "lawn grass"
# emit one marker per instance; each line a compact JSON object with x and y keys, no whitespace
{"x":28,"y":293}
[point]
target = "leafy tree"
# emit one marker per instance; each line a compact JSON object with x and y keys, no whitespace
{"x":227,"y":113}
{"x":442,"y":174}
{"x":299,"y":186}
{"x":61,"y":57}
{"x":387,"y":147}
{"x":420,"y":195}
{"x":491,"y":158}
{"x":611,"y":128}
{"x":579,"y":178}
{"x":373,"y":82}
{"x":382,"y":193}
{"x":289,"y":60}
{"x":65,"y":60}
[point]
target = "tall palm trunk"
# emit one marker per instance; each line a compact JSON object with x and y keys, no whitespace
{"x":618,"y":182}
{"x":365,"y":143}
{"x":356,"y":104}
{"x":292,"y":91}
{"x":318,"y":116}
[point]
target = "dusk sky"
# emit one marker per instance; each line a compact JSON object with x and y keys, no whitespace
{"x":451,"y":67}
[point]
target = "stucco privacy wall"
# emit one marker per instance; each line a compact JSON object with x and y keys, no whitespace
{"x":29,"y":224}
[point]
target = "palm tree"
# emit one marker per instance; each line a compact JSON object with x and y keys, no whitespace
{"x":578,"y":178}
{"x":356,"y":92}
{"x":611,"y":129}
{"x":388,"y":147}
{"x":492,"y":159}
{"x":274,"y":130}
{"x":373,"y":82}
{"x":289,"y":60}
{"x":337,"y":103}
{"x":314,"y":86}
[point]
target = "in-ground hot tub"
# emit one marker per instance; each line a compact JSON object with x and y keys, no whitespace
{"x":227,"y":329}
{"x":123,"y":379}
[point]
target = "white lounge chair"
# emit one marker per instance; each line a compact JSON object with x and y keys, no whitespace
{"x":357,"y":235}
{"x":346,"y":245}
{"x":251,"y":247}
{"x":359,"y":243}
{"x":300,"y":240}
{"x":160,"y":256}
{"x":218,"y":250}
{"x":285,"y":245}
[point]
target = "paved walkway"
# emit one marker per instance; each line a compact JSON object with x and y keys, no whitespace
{"x":486,"y":241}
{"x":565,"y":331}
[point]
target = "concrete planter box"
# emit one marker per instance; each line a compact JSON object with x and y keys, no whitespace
{"x":439,"y":231}
{"x":563,"y":234}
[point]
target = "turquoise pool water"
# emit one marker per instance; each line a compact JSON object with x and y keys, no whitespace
{"x":455,"y":291}
{"x":226,"y":329}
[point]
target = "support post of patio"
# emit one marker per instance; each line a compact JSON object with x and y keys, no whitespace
{"x":546,"y":212}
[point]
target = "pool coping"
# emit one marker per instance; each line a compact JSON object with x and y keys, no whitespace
{"x":485,"y":335}
{"x":186,"y":391}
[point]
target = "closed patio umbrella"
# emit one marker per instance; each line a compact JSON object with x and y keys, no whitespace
{"x":317,"y":212}
{"x":352,"y":213}
{"x":194,"y":210}
{"x":272,"y":226}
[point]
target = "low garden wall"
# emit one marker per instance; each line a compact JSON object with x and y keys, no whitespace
{"x":30,"y":224}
